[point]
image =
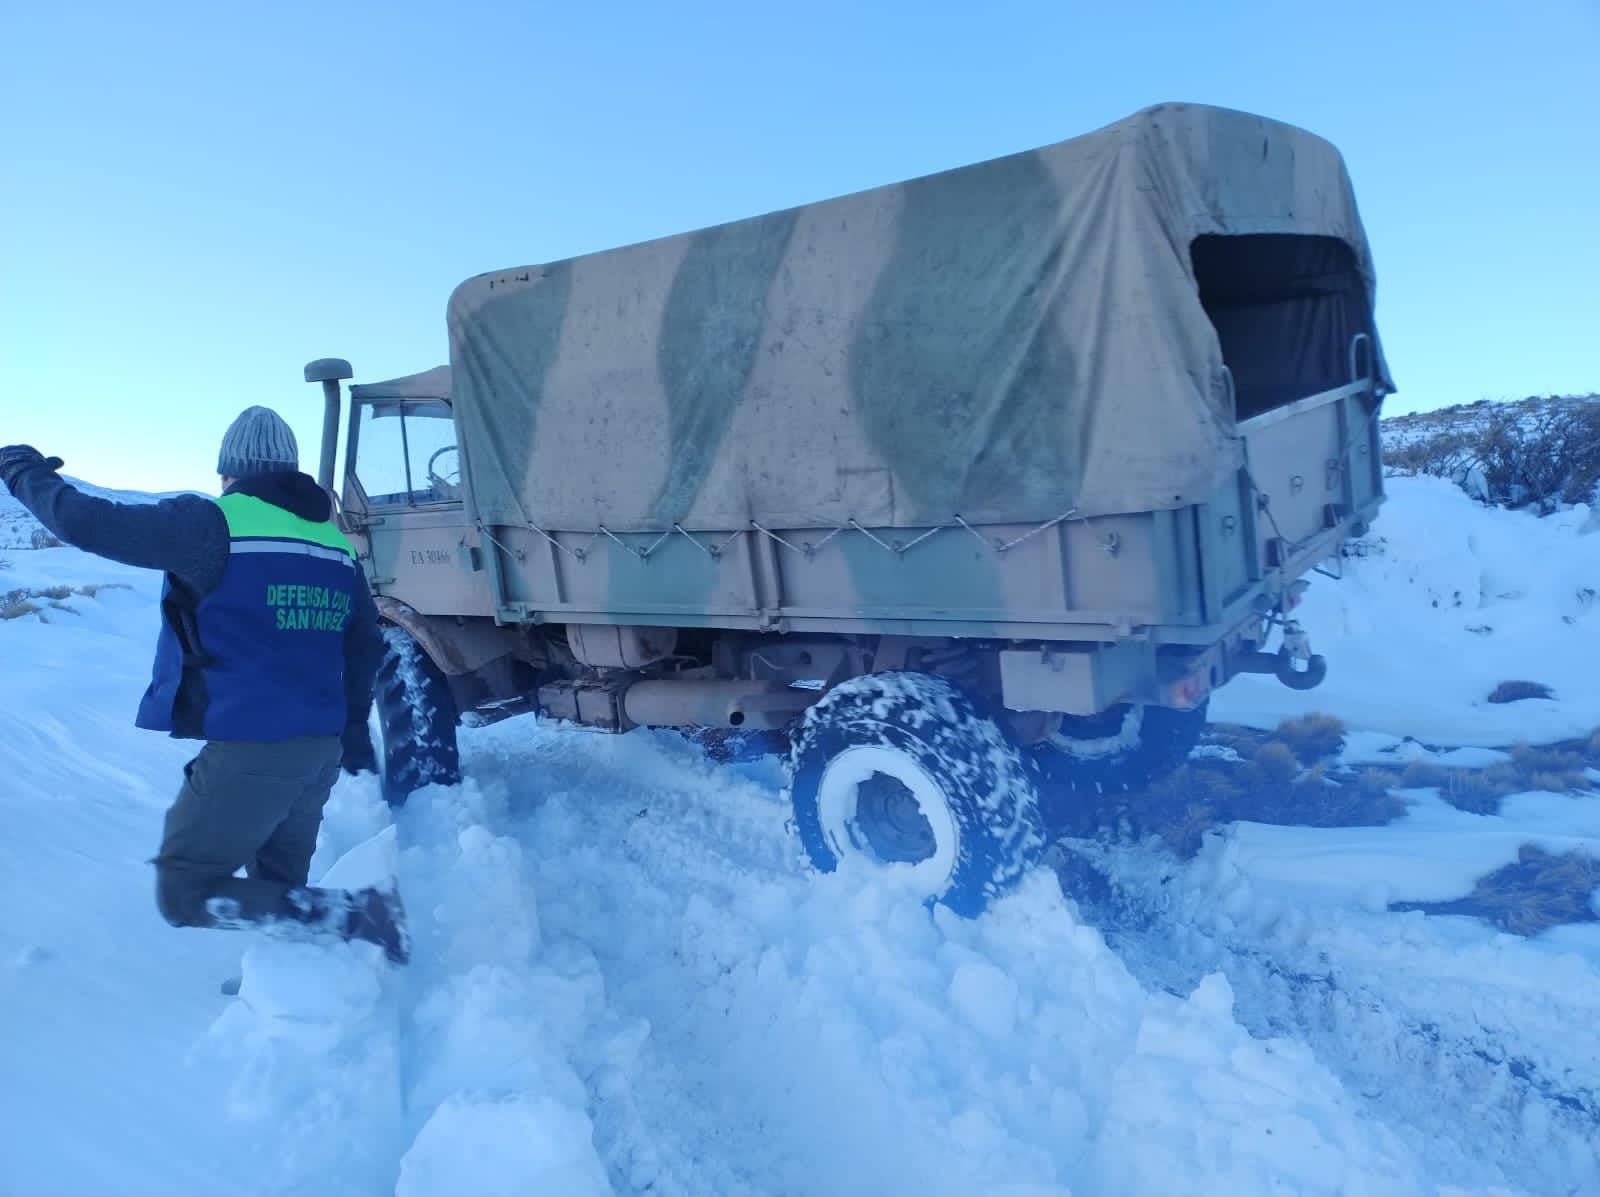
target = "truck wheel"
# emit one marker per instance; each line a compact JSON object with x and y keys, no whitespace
{"x":1124,"y":748}
{"x":416,"y":718}
{"x":901,"y":772}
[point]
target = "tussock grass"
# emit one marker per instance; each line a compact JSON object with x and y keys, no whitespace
{"x":15,"y":604}
{"x":1518,"y":691}
{"x":1313,"y":738}
{"x":1274,"y":764}
{"x":1552,"y":759}
{"x":1268,"y":786}
{"x":1541,"y":890}
{"x":1558,"y":770}
{"x":1292,"y":777}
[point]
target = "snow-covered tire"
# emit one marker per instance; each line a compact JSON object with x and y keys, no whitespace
{"x":1126,"y":748}
{"x":902,"y":772}
{"x":417,"y":719}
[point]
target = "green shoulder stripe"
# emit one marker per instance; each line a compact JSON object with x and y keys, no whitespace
{"x":249,"y":516}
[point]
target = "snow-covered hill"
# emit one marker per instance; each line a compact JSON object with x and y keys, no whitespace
{"x":625,"y":981}
{"x":18,"y":529}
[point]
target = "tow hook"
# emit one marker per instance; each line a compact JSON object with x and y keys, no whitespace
{"x":1298,"y":667}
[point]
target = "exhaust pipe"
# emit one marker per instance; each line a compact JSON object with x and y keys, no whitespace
{"x":330,"y":372}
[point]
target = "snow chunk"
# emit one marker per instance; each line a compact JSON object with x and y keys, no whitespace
{"x":503,"y":1148}
{"x":986,"y":998}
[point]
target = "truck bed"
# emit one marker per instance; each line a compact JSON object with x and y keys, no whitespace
{"x":1184,"y":576}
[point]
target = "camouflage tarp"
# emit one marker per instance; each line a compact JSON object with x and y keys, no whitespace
{"x":1003,"y":342}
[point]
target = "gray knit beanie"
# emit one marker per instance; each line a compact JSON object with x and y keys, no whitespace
{"x":258,"y":442}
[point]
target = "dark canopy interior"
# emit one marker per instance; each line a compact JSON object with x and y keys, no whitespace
{"x":1285,"y":307}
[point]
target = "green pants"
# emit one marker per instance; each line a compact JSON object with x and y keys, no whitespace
{"x":252,"y":806}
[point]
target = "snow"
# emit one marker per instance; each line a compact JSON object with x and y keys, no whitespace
{"x":625,"y":980}
{"x":1453,"y":599}
{"x":1433,"y":853}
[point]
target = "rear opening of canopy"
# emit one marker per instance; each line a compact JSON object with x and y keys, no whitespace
{"x":1285,"y":307}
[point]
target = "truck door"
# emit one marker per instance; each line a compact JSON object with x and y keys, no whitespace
{"x":405,"y":504}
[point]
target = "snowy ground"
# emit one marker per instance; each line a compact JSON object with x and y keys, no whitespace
{"x":625,"y":981}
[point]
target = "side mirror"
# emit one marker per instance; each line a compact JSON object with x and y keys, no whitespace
{"x":330,"y":372}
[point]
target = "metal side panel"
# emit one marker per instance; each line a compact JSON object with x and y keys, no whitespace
{"x":666,"y":574}
{"x":1229,"y":552}
{"x":1104,"y":576}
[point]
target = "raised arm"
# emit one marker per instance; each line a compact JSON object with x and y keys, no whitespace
{"x":186,"y":536}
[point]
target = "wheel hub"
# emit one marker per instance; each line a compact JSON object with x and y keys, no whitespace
{"x":891,"y":820}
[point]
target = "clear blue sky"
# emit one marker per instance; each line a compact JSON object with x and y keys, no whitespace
{"x":195,"y":199}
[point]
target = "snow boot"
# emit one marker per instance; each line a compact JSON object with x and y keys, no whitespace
{"x":378,"y":916}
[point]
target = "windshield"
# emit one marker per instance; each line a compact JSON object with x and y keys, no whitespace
{"x":406,"y":454}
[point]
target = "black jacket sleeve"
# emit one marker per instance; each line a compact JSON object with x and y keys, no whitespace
{"x":363,"y":653}
{"x":186,"y":536}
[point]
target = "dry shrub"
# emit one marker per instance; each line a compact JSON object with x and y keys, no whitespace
{"x":1314,"y":799}
{"x":1183,"y":806}
{"x":1373,"y":780}
{"x":1268,"y":788}
{"x":1539,"y":891}
{"x":1185,"y":831}
{"x":17,"y":603}
{"x":1539,"y":452}
{"x":94,"y":588}
{"x":1424,"y":775}
{"x":1547,"y":458}
{"x":1557,"y":770}
{"x":1241,"y":740}
{"x":1558,"y":759}
{"x":1476,"y":793}
{"x":1519,"y":692}
{"x":1276,"y":763}
{"x":1313,"y":738}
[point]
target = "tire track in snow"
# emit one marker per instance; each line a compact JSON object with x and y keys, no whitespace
{"x":813,"y":1035}
{"x":613,"y":813}
{"x":493,"y":1020}
{"x":1481,"y":1075}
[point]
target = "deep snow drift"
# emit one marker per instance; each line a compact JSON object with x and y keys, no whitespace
{"x":1451,"y":599}
{"x":626,"y":981}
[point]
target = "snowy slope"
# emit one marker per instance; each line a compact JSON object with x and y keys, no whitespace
{"x":1450,"y":599}
{"x":18,"y":529}
{"x":625,"y":981}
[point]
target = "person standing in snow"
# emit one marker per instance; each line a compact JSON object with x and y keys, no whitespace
{"x":268,"y":648}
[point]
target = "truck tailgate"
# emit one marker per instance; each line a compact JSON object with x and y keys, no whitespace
{"x":1315,"y":468}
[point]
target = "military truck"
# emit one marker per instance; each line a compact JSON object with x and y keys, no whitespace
{"x":958,"y":485}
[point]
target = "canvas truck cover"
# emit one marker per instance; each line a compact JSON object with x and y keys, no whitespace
{"x":1008,"y":341}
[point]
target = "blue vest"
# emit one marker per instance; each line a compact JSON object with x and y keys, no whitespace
{"x":261,"y":657}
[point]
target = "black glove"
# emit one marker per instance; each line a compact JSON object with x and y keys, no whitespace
{"x":359,"y":756}
{"x":16,"y":460}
